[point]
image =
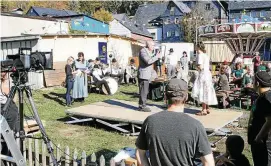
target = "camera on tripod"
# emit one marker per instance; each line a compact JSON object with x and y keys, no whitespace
{"x":26,"y":60}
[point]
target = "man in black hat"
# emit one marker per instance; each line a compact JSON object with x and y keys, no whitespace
{"x":172,"y":137}
{"x":259,"y":136}
{"x":171,"y":62}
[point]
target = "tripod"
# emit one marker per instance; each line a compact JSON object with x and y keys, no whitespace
{"x":19,"y":80}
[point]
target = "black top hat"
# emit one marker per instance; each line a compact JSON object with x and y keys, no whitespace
{"x":114,"y":60}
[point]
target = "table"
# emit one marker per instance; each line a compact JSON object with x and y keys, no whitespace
{"x":163,"y":81}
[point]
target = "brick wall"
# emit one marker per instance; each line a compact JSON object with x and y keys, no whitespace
{"x":55,"y":77}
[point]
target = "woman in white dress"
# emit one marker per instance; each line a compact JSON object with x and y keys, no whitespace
{"x":203,"y":89}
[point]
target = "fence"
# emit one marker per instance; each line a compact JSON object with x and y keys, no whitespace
{"x":35,"y":153}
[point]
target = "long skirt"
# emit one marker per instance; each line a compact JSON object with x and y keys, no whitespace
{"x":203,"y":90}
{"x":80,"y":88}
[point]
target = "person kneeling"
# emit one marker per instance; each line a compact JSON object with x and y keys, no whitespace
{"x":98,"y":81}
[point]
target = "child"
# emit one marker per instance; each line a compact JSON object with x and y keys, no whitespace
{"x":69,"y":80}
{"x":233,"y":156}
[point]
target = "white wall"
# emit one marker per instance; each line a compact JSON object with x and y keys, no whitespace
{"x":15,"y":26}
{"x":65,"y":47}
{"x":158,"y":33}
{"x":117,"y":28}
{"x":178,"y":48}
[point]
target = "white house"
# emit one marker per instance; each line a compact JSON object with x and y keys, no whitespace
{"x":17,"y":25}
{"x":121,"y":25}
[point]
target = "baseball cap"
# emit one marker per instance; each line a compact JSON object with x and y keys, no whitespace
{"x":177,"y":88}
{"x":263,"y":78}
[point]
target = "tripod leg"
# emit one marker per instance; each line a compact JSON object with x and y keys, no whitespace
{"x":41,"y":127}
{"x":7,"y":133}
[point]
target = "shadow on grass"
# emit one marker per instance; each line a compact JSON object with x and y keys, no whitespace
{"x":132,"y":94}
{"x":56,"y":97}
{"x":117,"y":103}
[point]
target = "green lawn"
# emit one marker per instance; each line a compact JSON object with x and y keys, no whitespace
{"x":50,"y":106}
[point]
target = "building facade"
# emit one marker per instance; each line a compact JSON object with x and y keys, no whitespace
{"x":163,"y":20}
{"x":123,"y":26}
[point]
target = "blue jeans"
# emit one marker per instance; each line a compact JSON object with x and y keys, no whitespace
{"x":69,"y":86}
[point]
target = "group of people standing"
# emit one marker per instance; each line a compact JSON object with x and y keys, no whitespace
{"x":76,"y":79}
{"x":77,"y":73}
{"x":203,"y":89}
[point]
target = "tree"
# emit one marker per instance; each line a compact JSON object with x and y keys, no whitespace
{"x":89,"y":7}
{"x":193,"y":20}
{"x":103,"y":15}
{"x":74,"y":6}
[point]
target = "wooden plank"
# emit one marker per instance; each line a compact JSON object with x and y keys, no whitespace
{"x":75,"y":154}
{"x":102,"y":161}
{"x":58,"y":153}
{"x":84,"y":158}
{"x":37,"y":152}
{"x":67,"y":156}
{"x":43,"y":153}
{"x":30,"y":158}
{"x":129,"y":114}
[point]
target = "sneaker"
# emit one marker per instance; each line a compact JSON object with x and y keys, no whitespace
{"x":145,"y":109}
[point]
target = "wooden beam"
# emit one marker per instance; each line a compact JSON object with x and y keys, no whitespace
{"x":230,"y":45}
{"x":248,"y":43}
{"x":259,"y":45}
{"x":235,"y":45}
{"x":240,"y":43}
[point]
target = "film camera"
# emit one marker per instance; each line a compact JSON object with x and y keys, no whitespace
{"x":26,"y":60}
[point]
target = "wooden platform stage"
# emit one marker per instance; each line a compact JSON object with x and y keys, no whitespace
{"x":122,"y":114}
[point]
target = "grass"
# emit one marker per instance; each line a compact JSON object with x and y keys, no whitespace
{"x":95,"y":139}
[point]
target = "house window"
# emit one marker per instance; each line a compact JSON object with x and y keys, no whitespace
{"x":153,"y":36}
{"x":177,"y":21}
{"x":172,"y":11}
{"x":252,"y":14}
{"x":168,"y":33}
{"x":177,"y":33}
{"x":262,"y":13}
{"x":173,"y":33}
{"x":208,"y":6}
{"x":168,"y":21}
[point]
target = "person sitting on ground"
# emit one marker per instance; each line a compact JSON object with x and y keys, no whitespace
{"x":248,"y":79}
{"x":163,"y":134}
{"x":98,"y":79}
{"x":116,"y":71}
{"x":262,"y":66}
{"x":131,"y":72}
{"x":223,"y":86}
{"x":233,"y":156}
{"x":238,"y":75}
